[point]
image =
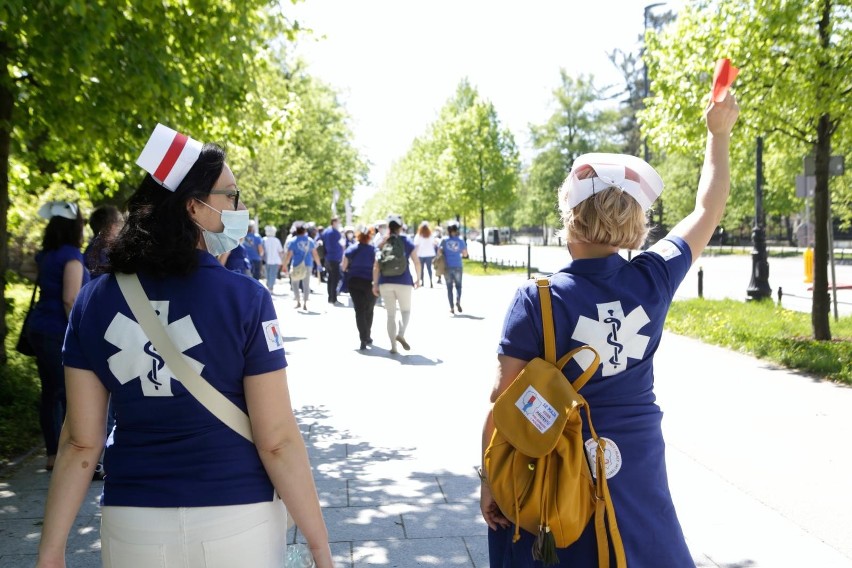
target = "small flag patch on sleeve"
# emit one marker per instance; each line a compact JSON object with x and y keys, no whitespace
{"x":666,"y":249}
{"x":272,"y":333}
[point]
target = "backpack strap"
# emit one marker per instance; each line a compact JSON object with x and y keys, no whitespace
{"x":604,"y":509}
{"x":547,"y":319}
{"x":580,"y":381}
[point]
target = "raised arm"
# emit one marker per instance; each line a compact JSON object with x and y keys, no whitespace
{"x":715,"y":183}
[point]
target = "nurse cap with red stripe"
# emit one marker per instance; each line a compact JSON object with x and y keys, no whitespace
{"x":593,"y":173}
{"x":168,"y":156}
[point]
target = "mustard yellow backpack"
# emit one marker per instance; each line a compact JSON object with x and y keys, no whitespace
{"x":536,"y":463}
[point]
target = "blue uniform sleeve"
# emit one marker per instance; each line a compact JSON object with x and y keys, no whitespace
{"x":409,"y":246}
{"x":668,"y":261}
{"x":522,"y":335}
{"x":72,"y":352}
{"x":264,"y":350}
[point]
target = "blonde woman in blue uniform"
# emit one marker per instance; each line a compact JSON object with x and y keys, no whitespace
{"x":619,"y":308}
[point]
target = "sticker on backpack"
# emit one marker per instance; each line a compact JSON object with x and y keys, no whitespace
{"x":537,"y":410}
{"x":612,"y":456}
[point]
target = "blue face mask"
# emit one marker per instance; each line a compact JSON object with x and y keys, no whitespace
{"x":236,"y":226}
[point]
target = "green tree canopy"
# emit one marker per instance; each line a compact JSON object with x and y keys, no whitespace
{"x":84,"y":83}
{"x":579,"y":124}
{"x":463,"y":164}
{"x":306,"y":156}
{"x":793,"y":90}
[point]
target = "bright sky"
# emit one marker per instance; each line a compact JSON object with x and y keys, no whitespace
{"x":396,"y":62}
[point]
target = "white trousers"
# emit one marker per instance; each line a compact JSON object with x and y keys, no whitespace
{"x":391,"y":294}
{"x":194,"y":537}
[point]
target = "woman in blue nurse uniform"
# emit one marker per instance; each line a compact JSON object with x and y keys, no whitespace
{"x":182,"y":489}
{"x":618,"y":307}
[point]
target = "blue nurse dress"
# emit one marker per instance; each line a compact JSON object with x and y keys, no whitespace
{"x":618,"y":307}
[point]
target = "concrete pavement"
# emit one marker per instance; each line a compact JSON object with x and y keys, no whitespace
{"x":758,"y":456}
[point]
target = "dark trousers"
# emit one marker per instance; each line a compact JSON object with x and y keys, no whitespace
{"x":48,"y":349}
{"x":361,"y":292}
{"x":255,"y":269}
{"x":333,"y":269}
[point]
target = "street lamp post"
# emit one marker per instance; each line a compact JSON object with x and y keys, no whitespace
{"x":758,"y":288}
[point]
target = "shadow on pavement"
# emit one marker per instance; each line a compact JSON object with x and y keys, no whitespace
{"x":381,"y":508}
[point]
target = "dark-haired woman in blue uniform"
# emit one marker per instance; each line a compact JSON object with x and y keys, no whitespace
{"x":182,"y":489}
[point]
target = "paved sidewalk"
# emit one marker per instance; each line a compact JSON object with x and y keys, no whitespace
{"x":758,"y":457}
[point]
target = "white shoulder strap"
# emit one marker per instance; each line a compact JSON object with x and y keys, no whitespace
{"x":217,"y":403}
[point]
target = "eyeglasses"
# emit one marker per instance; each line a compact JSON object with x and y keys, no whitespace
{"x":230,"y":193}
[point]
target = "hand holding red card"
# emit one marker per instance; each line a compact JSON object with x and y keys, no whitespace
{"x":723,"y":77}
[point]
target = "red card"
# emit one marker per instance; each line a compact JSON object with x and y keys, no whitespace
{"x":722,"y":79}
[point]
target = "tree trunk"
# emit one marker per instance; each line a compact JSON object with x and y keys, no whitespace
{"x":821,"y":304}
{"x":7,"y":101}
{"x":822,"y":203}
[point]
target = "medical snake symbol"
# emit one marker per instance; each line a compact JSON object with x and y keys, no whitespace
{"x":612,"y":338}
{"x":156,"y":365}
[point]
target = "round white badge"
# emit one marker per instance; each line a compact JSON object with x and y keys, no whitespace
{"x":612,"y":456}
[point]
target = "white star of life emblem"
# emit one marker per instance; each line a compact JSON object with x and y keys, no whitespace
{"x":614,"y":336}
{"x":139,"y":360}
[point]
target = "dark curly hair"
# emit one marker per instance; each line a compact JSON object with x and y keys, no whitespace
{"x":159,"y":237}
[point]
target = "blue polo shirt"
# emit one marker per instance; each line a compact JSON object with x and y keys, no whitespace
{"x":452,"y":248}
{"x":48,"y":315}
{"x":405,"y":277}
{"x":237,"y":260}
{"x":618,"y":307}
{"x":167,"y":449}
{"x":251,"y":244}
{"x":302,"y":247}
{"x":360,"y":261}
{"x":331,"y":242}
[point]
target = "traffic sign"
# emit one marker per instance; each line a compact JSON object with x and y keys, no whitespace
{"x":835,"y":166}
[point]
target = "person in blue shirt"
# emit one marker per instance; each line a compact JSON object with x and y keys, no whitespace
{"x":453,"y":248}
{"x":182,"y":488}
{"x":61,"y":274}
{"x":302,"y":250}
{"x":331,"y":238}
{"x":254,"y":249}
{"x":358,"y":264}
{"x":236,"y":260}
{"x":396,"y":288}
{"x":618,"y":307}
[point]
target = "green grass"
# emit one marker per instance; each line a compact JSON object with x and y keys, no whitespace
{"x":474,"y":267}
{"x":19,"y":384}
{"x":768,"y":332}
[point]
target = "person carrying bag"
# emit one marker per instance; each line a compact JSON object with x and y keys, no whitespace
{"x":614,"y":304}
{"x":536,"y":465}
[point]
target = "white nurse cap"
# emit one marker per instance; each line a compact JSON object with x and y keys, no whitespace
{"x":630,"y":174}
{"x":53,"y":209}
{"x":168,"y":156}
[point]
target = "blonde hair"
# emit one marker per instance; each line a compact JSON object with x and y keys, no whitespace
{"x":609,"y":217}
